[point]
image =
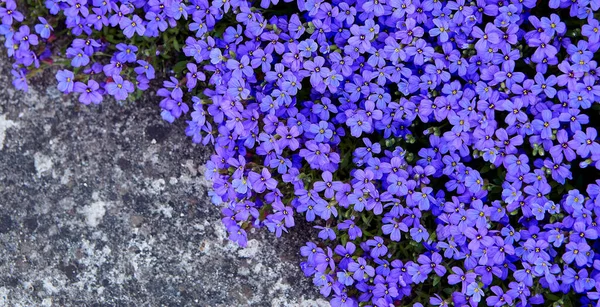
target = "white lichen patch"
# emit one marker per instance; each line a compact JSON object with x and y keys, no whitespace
{"x":4,"y":125}
{"x":93,"y":260}
{"x":94,"y":212}
{"x":314,"y":303}
{"x":166,"y":210}
{"x":157,"y":186}
{"x":4,"y":296}
{"x":42,"y":163}
{"x":47,"y":302}
{"x":191,"y":167}
{"x":52,"y":286}
{"x":205,"y":182}
{"x":251,"y":250}
{"x":66,"y":177}
{"x":221,"y":244}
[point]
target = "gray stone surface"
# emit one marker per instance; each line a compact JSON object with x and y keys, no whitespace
{"x":106,"y":206}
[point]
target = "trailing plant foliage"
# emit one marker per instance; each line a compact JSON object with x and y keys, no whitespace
{"x":446,"y":151}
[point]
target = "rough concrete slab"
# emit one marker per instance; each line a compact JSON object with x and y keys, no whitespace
{"x":106,"y":206}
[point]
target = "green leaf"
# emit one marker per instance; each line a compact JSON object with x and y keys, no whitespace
{"x":179,"y":66}
{"x":344,"y":239}
{"x":436,"y":280}
{"x":365,"y":218}
{"x":311,"y":28}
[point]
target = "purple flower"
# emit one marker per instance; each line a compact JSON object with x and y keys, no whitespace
{"x":326,"y":233}
{"x":569,"y":76}
{"x":478,"y":238}
{"x":421,"y":51}
{"x":193,"y":76}
{"x":486,"y":38}
{"x":460,"y":276}
{"x":360,"y":268}
{"x":432,"y":264}
{"x":157,"y":22}
{"x":525,"y":275}
{"x":353,"y":230}
{"x":576,"y":252}
{"x":145,"y":68}
{"x":358,"y":124}
{"x":126,"y":53}
{"x":574,"y":118}
{"x":310,"y":250}
{"x":499,"y":298}
{"x":581,"y":233}
{"x":392,"y":227}
{"x":341,"y":299}
{"x":261,"y":182}
{"x":587,"y":142}
{"x":237,"y":87}
{"x":321,"y":131}
{"x":317,"y":72}
{"x":97,"y":19}
{"x":287,"y":215}
{"x":424,"y":199}
{"x":240,"y":68}
{"x":546,"y":124}
{"x":119,"y":88}
{"x":132,"y":26}
{"x":43,"y":29}
{"x":419,"y":233}
{"x":517,"y":165}
{"x":78,"y":57}
{"x":328,"y":185}
{"x":65,"y":80}
{"x":475,"y":291}
{"x":25,"y":38}
{"x":19,"y":80}
{"x":591,"y":31}
{"x":9,"y":13}
{"x":415,"y":273}
{"x":378,"y":248}
{"x":89,"y":93}
{"x":113,"y":68}
{"x":441,"y":29}
{"x":77,"y":7}
{"x":238,"y":235}
{"x":325,"y":210}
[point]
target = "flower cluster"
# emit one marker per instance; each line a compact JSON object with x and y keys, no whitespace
{"x":433,"y":144}
{"x":101,"y":39}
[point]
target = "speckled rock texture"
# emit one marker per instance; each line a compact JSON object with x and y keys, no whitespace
{"x":107,"y":206}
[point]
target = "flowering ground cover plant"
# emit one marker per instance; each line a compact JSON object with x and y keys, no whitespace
{"x":446,"y":151}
